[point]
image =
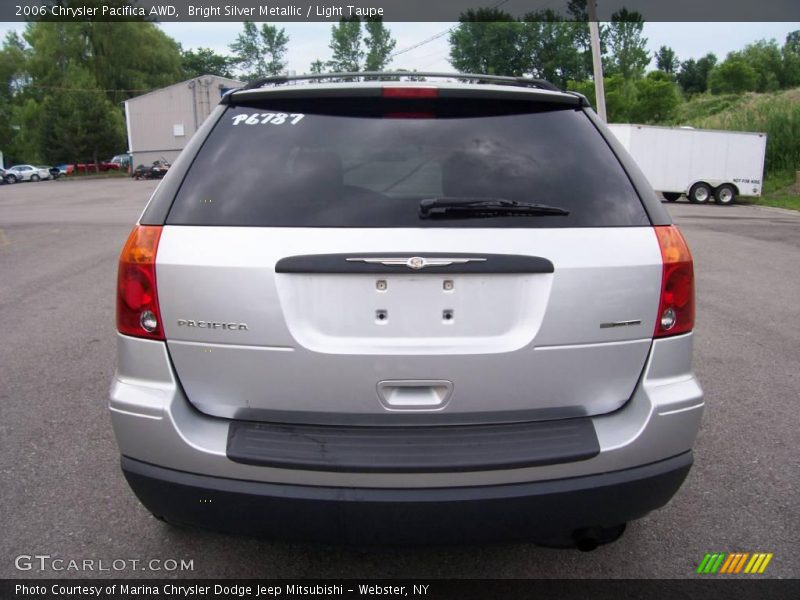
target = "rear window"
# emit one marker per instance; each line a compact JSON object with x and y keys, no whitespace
{"x":368,"y":162}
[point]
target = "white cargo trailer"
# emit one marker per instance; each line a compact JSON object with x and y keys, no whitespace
{"x":704,"y":164}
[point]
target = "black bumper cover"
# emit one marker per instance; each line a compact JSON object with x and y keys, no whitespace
{"x":538,"y":511}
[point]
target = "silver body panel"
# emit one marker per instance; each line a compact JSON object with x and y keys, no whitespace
{"x":535,"y":346}
{"x":155,"y":423}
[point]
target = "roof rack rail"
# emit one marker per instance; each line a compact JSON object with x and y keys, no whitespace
{"x":499,"y":79}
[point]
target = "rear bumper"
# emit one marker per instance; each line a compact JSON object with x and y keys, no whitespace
{"x":154,"y":423}
{"x":541,"y":510}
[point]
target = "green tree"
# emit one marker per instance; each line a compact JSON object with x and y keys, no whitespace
{"x":346,"y":46}
{"x":81,"y":125}
{"x":627,"y":48}
{"x":621,"y":96}
{"x":549,"y":48}
{"x":793,"y":41}
{"x":667,"y":60}
{"x":125,"y":58}
{"x":583,"y":87}
{"x":261,"y":52}
{"x":75,"y":74}
{"x":12,"y":69}
{"x":578,"y":13}
{"x":204,"y":61}
{"x":379,"y":43}
{"x":488,"y":40}
{"x":791,"y":59}
{"x":733,"y":76}
{"x":657,"y":98}
{"x":355,"y":49}
{"x":693,"y":74}
{"x":26,"y":123}
{"x":132,"y":56}
{"x":766,"y":59}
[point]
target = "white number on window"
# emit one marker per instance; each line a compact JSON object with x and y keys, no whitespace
{"x":271,"y":118}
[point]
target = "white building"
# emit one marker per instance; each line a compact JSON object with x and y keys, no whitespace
{"x":161,"y":122}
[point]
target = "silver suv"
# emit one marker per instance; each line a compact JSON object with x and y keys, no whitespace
{"x":417,"y":312}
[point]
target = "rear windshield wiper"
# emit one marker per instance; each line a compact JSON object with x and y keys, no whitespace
{"x":456,"y":206}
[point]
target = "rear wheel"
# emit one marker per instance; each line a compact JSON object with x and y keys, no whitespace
{"x":35,"y":177}
{"x":700,"y":193}
{"x":670,"y":196}
{"x":725,"y":194}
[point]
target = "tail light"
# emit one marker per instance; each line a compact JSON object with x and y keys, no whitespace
{"x":410,"y":92}
{"x":676,"y":308}
{"x":137,"y":300}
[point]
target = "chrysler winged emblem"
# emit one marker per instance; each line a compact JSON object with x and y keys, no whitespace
{"x":416,"y":262}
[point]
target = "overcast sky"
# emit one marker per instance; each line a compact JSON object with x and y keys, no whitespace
{"x":309,"y":41}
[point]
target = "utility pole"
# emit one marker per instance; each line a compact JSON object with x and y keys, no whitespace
{"x":597,"y":60}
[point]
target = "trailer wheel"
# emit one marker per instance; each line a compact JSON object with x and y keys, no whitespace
{"x":700,"y":193}
{"x":670,"y":196}
{"x":725,"y":194}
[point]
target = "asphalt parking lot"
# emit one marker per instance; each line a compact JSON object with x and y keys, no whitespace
{"x":63,"y":494}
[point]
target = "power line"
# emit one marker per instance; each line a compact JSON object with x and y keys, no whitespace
{"x":438,"y":35}
{"x":449,"y":29}
{"x":423,"y":42}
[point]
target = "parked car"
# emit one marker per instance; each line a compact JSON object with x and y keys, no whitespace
{"x":62,"y":170}
{"x":28,"y":173}
{"x":86,"y":168}
{"x":420,"y":311}
{"x":47,"y":169}
{"x":4,"y":178}
{"x":157,"y":170}
{"x":120,"y":161}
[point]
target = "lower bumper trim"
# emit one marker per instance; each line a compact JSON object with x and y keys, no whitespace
{"x":527,"y":511}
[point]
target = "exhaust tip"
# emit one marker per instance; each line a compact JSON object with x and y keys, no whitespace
{"x":586,"y":539}
{"x":589,"y":538}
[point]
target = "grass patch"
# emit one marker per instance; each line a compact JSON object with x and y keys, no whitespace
{"x":780,"y":190}
{"x":704,"y":106}
{"x":779,"y":200}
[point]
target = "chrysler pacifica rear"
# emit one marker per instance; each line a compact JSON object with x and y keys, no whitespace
{"x":390,"y":311}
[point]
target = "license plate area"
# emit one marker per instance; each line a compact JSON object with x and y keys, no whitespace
{"x":413,"y":312}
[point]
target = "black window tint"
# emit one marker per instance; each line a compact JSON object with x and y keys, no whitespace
{"x":368,"y":162}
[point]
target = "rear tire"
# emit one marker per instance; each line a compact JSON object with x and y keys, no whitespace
{"x":35,"y":177}
{"x":725,"y":194}
{"x":700,"y":193}
{"x":670,"y":196}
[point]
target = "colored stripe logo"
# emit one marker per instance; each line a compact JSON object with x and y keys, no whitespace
{"x":734,"y":563}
